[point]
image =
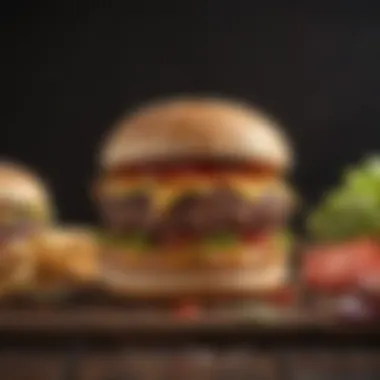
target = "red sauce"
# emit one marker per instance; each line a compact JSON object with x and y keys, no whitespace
{"x":198,"y":167}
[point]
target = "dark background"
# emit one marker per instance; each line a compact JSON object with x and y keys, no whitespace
{"x":70,"y":68}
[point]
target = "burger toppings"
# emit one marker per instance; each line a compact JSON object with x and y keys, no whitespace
{"x":130,"y":213}
{"x":220,"y":241}
{"x":134,"y":241}
{"x":219,"y":212}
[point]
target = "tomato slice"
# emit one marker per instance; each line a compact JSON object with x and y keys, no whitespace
{"x":342,"y":266}
{"x":328,"y":269}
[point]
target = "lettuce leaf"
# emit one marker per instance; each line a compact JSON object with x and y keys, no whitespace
{"x":352,"y":209}
{"x":222,"y":240}
{"x":137,"y":241}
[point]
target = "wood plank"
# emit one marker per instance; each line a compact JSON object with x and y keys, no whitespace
{"x":19,"y":364}
{"x":123,"y":323}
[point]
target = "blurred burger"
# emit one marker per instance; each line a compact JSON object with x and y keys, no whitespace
{"x":25,"y":205}
{"x":25,"y":210}
{"x":193,"y":197}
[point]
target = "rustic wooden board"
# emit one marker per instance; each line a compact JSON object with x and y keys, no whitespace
{"x":122,"y":323}
{"x":189,"y":364}
{"x":16,"y":364}
{"x":101,"y":319}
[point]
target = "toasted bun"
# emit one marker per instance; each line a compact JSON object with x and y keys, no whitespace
{"x":234,"y":283}
{"x":20,"y":184}
{"x":246,"y":272}
{"x":185,"y":128}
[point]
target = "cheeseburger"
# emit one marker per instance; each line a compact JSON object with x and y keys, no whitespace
{"x":193,"y":197}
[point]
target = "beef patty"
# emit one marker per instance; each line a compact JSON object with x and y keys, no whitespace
{"x":197,"y":214}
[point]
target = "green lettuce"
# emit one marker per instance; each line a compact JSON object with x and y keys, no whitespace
{"x":220,"y":241}
{"x":136,"y":241}
{"x":352,"y":209}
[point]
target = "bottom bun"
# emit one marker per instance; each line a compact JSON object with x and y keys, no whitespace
{"x":232,"y":283}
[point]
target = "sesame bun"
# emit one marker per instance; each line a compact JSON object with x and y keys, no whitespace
{"x":202,"y":128}
{"x":19,"y":184}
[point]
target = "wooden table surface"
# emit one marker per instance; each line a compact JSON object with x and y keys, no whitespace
{"x":99,"y":342}
{"x":125,"y":323}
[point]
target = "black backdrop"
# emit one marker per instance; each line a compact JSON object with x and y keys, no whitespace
{"x":70,"y":68}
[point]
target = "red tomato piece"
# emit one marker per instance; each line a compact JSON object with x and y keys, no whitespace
{"x":329,"y":268}
{"x":367,"y":264}
{"x":342,"y":265}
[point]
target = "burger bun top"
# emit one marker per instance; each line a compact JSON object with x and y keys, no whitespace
{"x":196,"y":127}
